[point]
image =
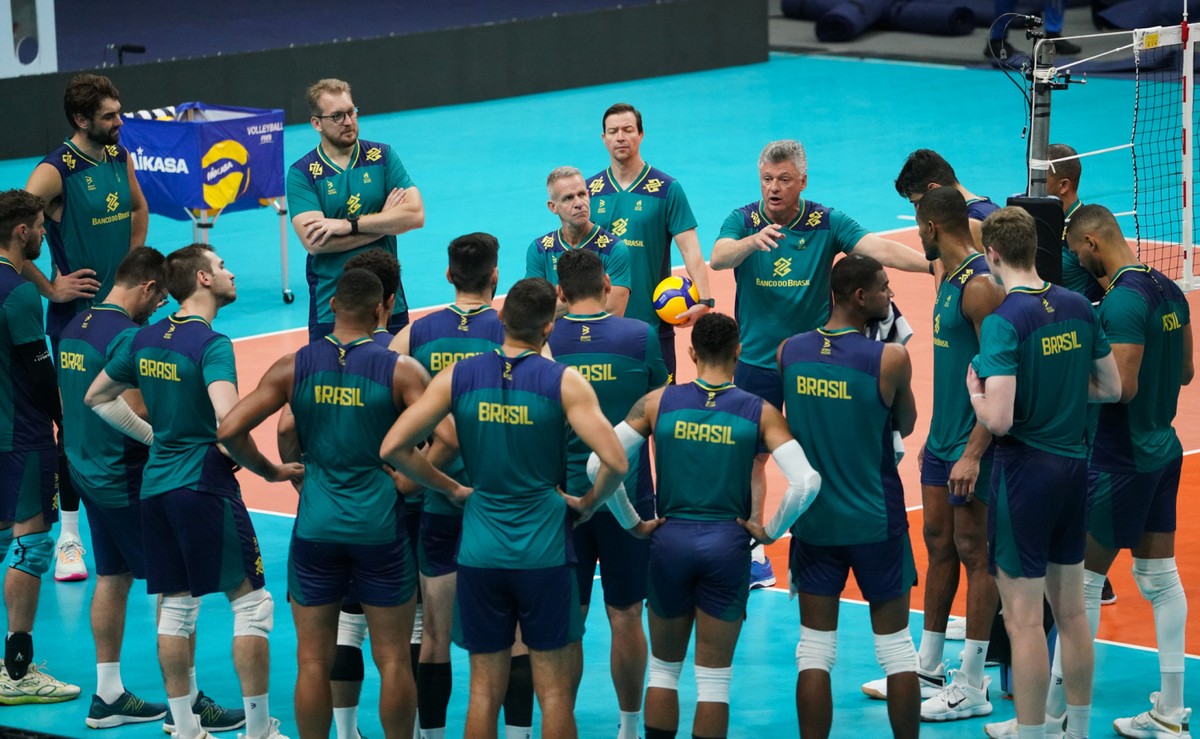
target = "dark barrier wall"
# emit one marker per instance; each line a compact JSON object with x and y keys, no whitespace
{"x":423,"y":69}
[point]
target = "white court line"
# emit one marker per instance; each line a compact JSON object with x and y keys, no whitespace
{"x":907,"y":218}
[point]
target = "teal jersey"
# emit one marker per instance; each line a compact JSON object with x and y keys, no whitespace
{"x":705,"y":439}
{"x":511,"y":429}
{"x":834,"y":409}
{"x":96,"y":226}
{"x":437,"y":341}
{"x":647,"y":215}
{"x":786,"y":290}
{"x":622,"y":359}
{"x":343,"y":403}
{"x":23,"y":423}
{"x":1143,"y":306}
{"x":315,"y":183}
{"x":1047,"y":338}
{"x":955,"y":344}
{"x":106,"y":465}
{"x":541,"y":259}
{"x":173,"y":362}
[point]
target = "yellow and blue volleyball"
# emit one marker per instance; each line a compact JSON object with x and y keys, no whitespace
{"x":673,"y":296}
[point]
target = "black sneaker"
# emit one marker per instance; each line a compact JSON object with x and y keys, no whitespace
{"x":127,"y":709}
{"x":1107,"y":596}
{"x":212,"y":716}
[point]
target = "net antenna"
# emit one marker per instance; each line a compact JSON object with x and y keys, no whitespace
{"x":1162,"y":159}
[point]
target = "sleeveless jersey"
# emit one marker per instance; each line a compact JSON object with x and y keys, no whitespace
{"x":96,"y":224}
{"x":955,"y":344}
{"x":1143,"y":306}
{"x":173,"y":362}
{"x":834,"y":409}
{"x":622,"y":359}
{"x":342,"y":400}
{"x":106,"y":465}
{"x":705,"y":439}
{"x":786,"y":290}
{"x":316,"y":183}
{"x":646,"y":216}
{"x":23,"y":424}
{"x":1047,"y":338}
{"x":437,"y":341}
{"x":510,"y":428}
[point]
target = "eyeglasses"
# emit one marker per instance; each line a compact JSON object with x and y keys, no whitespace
{"x":341,"y":115}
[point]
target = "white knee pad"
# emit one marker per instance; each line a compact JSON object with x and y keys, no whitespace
{"x":253,"y":614}
{"x":418,"y":631}
{"x":816,"y":650}
{"x":663,"y":674}
{"x":352,"y":629}
{"x":895,"y":653}
{"x":712,"y":684}
{"x":177,"y":616}
{"x":1158,"y":580}
{"x":1093,"y":589}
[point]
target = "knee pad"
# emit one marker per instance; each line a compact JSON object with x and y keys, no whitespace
{"x":32,"y":553}
{"x":418,"y":632}
{"x":895,"y":653}
{"x":816,"y":650}
{"x":352,"y":630}
{"x":347,"y":665}
{"x":712,"y":684}
{"x":1157,"y":579}
{"x":177,"y":616}
{"x":663,"y":675}
{"x":254,"y":614}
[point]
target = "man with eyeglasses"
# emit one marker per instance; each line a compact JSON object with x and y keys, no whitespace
{"x":347,"y":195}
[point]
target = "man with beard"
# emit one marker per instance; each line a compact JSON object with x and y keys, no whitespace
{"x":95,"y":213}
{"x":28,"y":404}
{"x":347,"y":195}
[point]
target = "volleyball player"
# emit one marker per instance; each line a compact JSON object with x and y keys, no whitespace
{"x":926,"y":170}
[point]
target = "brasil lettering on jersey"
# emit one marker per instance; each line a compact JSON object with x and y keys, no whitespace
{"x":514,"y":415}
{"x":712,"y":433}
{"x":334,"y":395}
{"x":158,"y":370}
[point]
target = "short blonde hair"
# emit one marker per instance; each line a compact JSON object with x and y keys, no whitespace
{"x":320,"y":87}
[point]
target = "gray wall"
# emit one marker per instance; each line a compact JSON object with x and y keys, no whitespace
{"x":424,"y":69}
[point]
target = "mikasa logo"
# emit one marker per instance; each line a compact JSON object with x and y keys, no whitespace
{"x":148,"y":163}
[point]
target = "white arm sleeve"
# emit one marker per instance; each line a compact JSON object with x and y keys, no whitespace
{"x":803,"y":484}
{"x":897,"y":446}
{"x":630,"y":439}
{"x":120,"y":416}
{"x":622,"y":509}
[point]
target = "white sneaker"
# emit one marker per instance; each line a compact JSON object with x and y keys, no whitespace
{"x":1056,"y":728}
{"x":931,"y":684}
{"x":1152,"y":724}
{"x":68,"y":561}
{"x":35,"y":687}
{"x":272,"y":732}
{"x":956,"y":628}
{"x":957,"y":700}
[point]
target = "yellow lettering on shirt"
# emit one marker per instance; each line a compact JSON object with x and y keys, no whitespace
{"x":597,"y":372}
{"x":514,"y":415}
{"x":1171,"y":322}
{"x":1060,"y":343}
{"x":334,"y":395}
{"x":822,"y":388}
{"x":439,"y":361}
{"x":711,"y":433}
{"x":157,"y":370}
{"x":71,"y":361}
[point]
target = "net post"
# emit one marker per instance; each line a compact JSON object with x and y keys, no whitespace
{"x":1188,"y":168}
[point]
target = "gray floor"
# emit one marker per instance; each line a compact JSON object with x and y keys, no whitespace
{"x":791,"y":35}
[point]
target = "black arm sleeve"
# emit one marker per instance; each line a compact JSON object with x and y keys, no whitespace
{"x":34,"y":359}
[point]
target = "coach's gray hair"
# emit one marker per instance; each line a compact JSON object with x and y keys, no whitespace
{"x":561,"y":173}
{"x":784,"y":150}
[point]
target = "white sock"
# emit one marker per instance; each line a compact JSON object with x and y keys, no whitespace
{"x":1078,"y":718}
{"x":1056,"y":696}
{"x":974,"y":658}
{"x":108,"y":681}
{"x":629,"y":725}
{"x":1093,"y":586}
{"x":933,"y":644}
{"x":193,"y":691}
{"x":518,"y":732}
{"x":758,"y":553}
{"x":258,"y":716}
{"x":433,"y":733}
{"x":187,"y":724}
{"x":346,"y":720}
{"x":68,"y":523}
{"x":1037,"y":731}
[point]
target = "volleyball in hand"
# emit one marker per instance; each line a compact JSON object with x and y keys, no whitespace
{"x":673,"y":296}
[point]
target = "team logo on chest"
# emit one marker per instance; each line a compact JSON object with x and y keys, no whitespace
{"x":937,"y":323}
{"x":755,"y":220}
{"x":654,"y":185}
{"x":90,"y":185}
{"x":316,"y":169}
{"x":783,"y":267}
{"x":354,"y":204}
{"x":366,"y":178}
{"x":619,"y":226}
{"x":966,"y":275}
{"x":329,"y":188}
{"x":112,"y":202}
{"x":68,"y":160}
{"x":596,"y":186}
{"x":374,"y":154}
{"x":638,"y":206}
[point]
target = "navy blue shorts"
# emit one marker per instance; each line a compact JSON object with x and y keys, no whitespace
{"x":624,"y":561}
{"x":1039,"y":510}
{"x":116,"y":538}
{"x":765,"y":383}
{"x":1124,"y":505}
{"x":884,"y":570}
{"x":320,"y":572}
{"x":935,"y":472}
{"x":199,"y":543}
{"x":699,"y":564}
{"x":491,"y":603}
{"x":27,"y":485}
{"x":666,"y":344}
{"x":437,"y":553}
